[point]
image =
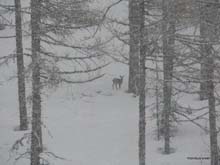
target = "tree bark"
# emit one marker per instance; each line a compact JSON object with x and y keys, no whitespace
{"x":143,"y":48}
{"x":168,"y":52}
{"x":134,"y":48}
{"x":210,"y":22}
{"x":203,"y":70}
{"x":157,"y":101}
{"x":36,"y":134}
{"x":20,"y":68}
{"x":212,"y":112}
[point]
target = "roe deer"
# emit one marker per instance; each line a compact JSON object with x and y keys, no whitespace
{"x":117,"y":82}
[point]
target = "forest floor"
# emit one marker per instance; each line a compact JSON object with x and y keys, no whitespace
{"x":93,"y":124}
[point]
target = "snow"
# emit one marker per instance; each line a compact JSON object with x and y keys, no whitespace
{"x":92,"y":124}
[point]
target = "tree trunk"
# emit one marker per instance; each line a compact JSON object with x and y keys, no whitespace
{"x":134,"y":49}
{"x":210,"y":22}
{"x":168,"y":52}
{"x":203,"y":71}
{"x":157,"y":100}
{"x":143,"y":47}
{"x":212,"y":111}
{"x":36,"y":134}
{"x":20,"y":68}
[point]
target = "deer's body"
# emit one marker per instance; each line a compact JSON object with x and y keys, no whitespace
{"x":117,"y":82}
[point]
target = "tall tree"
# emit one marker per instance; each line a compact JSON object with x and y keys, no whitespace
{"x":203,"y":71}
{"x":142,"y":75}
{"x":209,"y":21}
{"x":134,"y":48}
{"x":36,"y":134}
{"x":20,"y":68}
{"x":168,"y":29}
{"x":212,"y":110}
{"x":52,"y":23}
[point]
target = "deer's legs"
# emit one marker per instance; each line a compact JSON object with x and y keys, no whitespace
{"x":114,"y":86}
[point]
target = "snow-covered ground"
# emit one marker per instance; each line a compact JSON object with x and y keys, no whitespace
{"x":92,"y":124}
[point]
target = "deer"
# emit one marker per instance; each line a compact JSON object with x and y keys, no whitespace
{"x":117,"y":82}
